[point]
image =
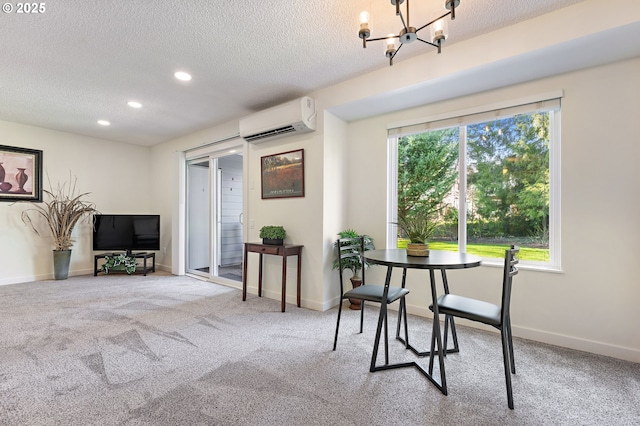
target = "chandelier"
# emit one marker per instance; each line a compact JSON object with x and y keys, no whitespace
{"x":409,"y":34}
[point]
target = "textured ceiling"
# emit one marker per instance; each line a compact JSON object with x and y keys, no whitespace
{"x":81,"y":61}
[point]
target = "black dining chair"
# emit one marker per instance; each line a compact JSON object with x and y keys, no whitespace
{"x":350,"y":252}
{"x":496,"y":316}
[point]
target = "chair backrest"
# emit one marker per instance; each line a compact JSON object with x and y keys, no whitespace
{"x":350,"y":256}
{"x":510,"y":270}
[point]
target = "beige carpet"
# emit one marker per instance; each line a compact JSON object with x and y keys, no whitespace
{"x":168,"y":350}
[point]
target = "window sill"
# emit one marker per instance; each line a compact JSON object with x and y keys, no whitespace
{"x":496,"y":263}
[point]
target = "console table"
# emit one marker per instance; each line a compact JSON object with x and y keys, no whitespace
{"x":143,"y":255}
{"x":285,"y":251}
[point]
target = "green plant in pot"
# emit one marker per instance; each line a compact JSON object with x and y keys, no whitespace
{"x":65,"y":208}
{"x":272,"y":234}
{"x":120,"y":262}
{"x":354,"y":264}
{"x":417,"y":226}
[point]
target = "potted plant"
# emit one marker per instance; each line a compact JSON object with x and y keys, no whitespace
{"x":417,"y":226}
{"x":354,"y":264}
{"x":272,"y":234}
{"x":61,"y":213}
{"x":119,"y":262}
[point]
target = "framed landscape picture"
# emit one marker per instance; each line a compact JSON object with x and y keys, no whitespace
{"x":20,"y":174}
{"x":283,"y":175}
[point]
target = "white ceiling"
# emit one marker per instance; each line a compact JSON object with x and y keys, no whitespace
{"x":81,"y":61}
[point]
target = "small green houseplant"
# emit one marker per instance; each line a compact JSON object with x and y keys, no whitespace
{"x":354,"y":264}
{"x":272,"y":234}
{"x":417,"y":226}
{"x":119,"y":262}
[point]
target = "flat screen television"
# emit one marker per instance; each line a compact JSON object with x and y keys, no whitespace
{"x":126,"y":232}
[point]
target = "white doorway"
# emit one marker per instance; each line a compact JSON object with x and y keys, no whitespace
{"x":214,"y":215}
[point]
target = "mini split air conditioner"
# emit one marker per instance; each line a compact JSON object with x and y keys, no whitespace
{"x":294,"y":117}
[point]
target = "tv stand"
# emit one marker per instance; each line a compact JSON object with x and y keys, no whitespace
{"x":140,"y":255}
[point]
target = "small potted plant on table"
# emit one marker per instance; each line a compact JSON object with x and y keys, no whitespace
{"x":273,"y":234}
{"x":417,"y":226}
{"x":354,"y":264}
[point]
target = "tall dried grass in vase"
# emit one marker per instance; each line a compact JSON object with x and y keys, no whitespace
{"x":61,"y":213}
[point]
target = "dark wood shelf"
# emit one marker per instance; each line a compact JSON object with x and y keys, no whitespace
{"x":140,"y":268}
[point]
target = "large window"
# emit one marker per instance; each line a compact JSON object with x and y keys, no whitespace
{"x":488,"y":179}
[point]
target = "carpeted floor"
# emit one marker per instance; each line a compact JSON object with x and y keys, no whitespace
{"x":168,"y":350}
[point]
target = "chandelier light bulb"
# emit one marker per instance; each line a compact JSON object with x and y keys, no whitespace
{"x":364,"y":18}
{"x":390,"y":47}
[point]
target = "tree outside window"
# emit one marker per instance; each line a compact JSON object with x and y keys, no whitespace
{"x":507,"y":184}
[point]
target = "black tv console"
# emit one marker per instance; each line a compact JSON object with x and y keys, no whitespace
{"x":142,"y":255}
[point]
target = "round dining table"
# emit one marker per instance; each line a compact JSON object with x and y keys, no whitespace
{"x":437,"y":260}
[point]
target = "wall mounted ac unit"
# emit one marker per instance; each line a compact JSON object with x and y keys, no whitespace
{"x":294,"y":117}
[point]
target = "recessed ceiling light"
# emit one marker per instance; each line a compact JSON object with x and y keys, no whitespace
{"x":181,"y":75}
{"x":134,"y":104}
{"x":103,"y":122}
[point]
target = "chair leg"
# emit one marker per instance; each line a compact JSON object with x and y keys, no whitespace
{"x":507,"y":362}
{"x":335,"y":340}
{"x":513,"y":360}
{"x":454,"y":334}
{"x":399,"y":324}
{"x":383,"y":314}
{"x":386,"y":340}
{"x":403,"y":303}
{"x":446,"y":334}
{"x":361,"y":315}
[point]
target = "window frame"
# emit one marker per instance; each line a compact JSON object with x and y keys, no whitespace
{"x":462,"y":119}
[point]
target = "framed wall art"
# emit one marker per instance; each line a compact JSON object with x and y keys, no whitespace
{"x":283,"y":175}
{"x":20,"y":174}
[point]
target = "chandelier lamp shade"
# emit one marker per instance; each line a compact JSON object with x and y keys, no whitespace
{"x":409,"y":34}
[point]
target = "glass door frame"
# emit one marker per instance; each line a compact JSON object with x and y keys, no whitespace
{"x":234,"y":146}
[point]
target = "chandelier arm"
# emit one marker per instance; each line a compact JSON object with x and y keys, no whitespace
{"x":396,"y":52}
{"x":408,"y":20}
{"x":404,"y":24}
{"x":427,"y":42}
{"x":394,"y":55}
{"x":382,"y":38}
{"x":435,"y":20}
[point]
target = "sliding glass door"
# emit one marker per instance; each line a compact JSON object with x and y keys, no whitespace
{"x":214,"y":213}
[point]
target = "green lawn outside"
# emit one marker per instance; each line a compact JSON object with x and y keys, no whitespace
{"x":489,"y":250}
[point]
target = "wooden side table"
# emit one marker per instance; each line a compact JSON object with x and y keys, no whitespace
{"x":285,"y":251}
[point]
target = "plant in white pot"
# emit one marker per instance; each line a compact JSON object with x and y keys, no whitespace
{"x":417,"y":226}
{"x":64,"y":209}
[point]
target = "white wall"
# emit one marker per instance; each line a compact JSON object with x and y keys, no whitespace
{"x":117,"y":176}
{"x":337,"y":164}
{"x":593,"y":304}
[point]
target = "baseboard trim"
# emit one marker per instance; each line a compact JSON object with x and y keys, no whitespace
{"x":585,"y":345}
{"x":570,"y":342}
